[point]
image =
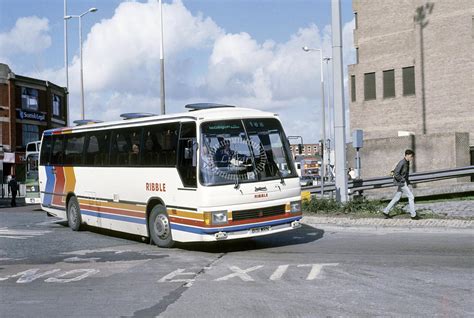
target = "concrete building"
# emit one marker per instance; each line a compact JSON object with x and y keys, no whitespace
{"x":28,"y":106}
{"x":413,"y":77}
{"x":414,"y":69}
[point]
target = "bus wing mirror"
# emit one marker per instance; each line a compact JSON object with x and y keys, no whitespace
{"x":300,"y":149}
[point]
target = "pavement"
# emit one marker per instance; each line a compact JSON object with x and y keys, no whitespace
{"x":6,"y":202}
{"x":458,"y":214}
{"x":443,"y":225}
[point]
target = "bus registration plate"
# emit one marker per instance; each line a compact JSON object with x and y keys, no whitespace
{"x":261,"y":229}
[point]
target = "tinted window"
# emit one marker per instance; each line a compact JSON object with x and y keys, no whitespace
{"x":388,"y":83}
{"x":73,"y":149}
{"x":159,"y":145}
{"x":57,"y":155}
{"x":125,"y":147}
{"x":46,"y":150}
{"x":408,"y":80}
{"x":369,"y":86}
{"x":97,"y":150}
{"x":353,"y":88}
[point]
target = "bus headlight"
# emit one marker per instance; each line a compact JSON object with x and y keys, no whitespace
{"x":295,"y":206}
{"x":216,"y":217}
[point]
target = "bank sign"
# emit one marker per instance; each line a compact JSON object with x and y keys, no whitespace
{"x":29,"y":115}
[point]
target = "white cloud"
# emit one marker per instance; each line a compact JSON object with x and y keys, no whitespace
{"x":29,"y":35}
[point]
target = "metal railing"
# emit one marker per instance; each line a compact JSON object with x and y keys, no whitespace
{"x":385,"y":182}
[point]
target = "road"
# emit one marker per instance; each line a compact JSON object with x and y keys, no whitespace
{"x":47,"y":270}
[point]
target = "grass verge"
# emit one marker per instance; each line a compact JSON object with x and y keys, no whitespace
{"x":359,"y":208}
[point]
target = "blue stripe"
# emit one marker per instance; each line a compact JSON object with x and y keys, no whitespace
{"x":191,"y":229}
{"x":50,"y":180}
{"x":113,"y":217}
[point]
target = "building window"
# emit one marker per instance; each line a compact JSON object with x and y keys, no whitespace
{"x":369,"y":86}
{"x":356,"y":21}
{"x":357,"y":55}
{"x":30,"y":133}
{"x":408,"y":80}
{"x":388,"y":83}
{"x":29,"y":98}
{"x":353,"y":88}
{"x":56,"y":105}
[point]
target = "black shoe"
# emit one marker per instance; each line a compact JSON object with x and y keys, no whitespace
{"x":387,"y":216}
{"x":416,"y":217}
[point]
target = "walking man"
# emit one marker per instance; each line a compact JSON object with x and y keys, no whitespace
{"x":400,"y":179}
{"x":13,"y":185}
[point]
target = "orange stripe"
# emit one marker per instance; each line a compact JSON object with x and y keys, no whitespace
{"x":111,"y":211}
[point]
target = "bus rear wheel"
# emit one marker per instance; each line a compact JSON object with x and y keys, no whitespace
{"x":74,"y":218}
{"x":160,"y":227}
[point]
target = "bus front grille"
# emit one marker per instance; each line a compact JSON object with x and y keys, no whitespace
{"x":258,"y":213}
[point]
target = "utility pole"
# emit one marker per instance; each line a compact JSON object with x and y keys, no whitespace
{"x":339,"y":109}
{"x":162,"y":64}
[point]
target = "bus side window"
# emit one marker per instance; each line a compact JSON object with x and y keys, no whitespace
{"x":46,"y":150}
{"x":57,"y":155}
{"x":160,"y":144}
{"x":97,"y":149}
{"x":186,"y":163}
{"x":73,"y":149}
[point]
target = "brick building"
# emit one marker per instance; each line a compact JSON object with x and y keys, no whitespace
{"x":28,"y":106}
{"x":412,"y":84}
{"x":414,"y":70}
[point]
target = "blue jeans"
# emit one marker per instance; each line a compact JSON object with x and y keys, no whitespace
{"x":411,"y":199}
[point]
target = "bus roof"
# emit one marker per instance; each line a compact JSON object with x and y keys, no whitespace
{"x":198,"y":115}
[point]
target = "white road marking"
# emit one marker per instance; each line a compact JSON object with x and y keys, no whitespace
{"x":59,"y":279}
{"x":316,"y":269}
{"x":278,"y":273}
{"x":179,"y":271}
{"x":29,"y":275}
{"x":20,"y":234}
{"x":79,"y":259}
{"x":240,"y":273}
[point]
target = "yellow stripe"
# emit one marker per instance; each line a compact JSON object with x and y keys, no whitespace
{"x":70,"y":179}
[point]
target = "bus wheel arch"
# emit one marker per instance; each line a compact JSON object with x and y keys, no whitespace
{"x":159,"y":226}
{"x":73,"y":212}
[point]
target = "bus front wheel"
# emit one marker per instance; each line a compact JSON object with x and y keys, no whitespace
{"x":74,"y":218}
{"x":160,"y":228}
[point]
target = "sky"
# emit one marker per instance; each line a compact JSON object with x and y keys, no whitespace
{"x":239,"y":52}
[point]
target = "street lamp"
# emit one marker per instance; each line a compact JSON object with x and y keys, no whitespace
{"x":67,"y":17}
{"x":323,"y":115}
{"x":330,"y":117}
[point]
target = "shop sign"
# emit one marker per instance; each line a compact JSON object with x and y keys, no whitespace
{"x":29,"y":115}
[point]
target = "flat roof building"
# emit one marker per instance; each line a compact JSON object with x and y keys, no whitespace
{"x":28,"y":106}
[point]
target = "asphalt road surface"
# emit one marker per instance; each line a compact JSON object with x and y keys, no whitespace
{"x":47,"y":270}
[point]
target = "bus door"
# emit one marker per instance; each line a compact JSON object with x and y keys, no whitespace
{"x":187,"y":154}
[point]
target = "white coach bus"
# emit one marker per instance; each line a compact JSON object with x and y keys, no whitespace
{"x":217,"y":172}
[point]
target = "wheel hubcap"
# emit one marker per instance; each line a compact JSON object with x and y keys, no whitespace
{"x":73,"y":214}
{"x":162,"y":226}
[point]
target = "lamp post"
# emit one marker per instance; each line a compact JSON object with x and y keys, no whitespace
{"x":323,"y":115}
{"x":330,"y":119}
{"x":66,"y":64}
{"x":67,"y":17}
